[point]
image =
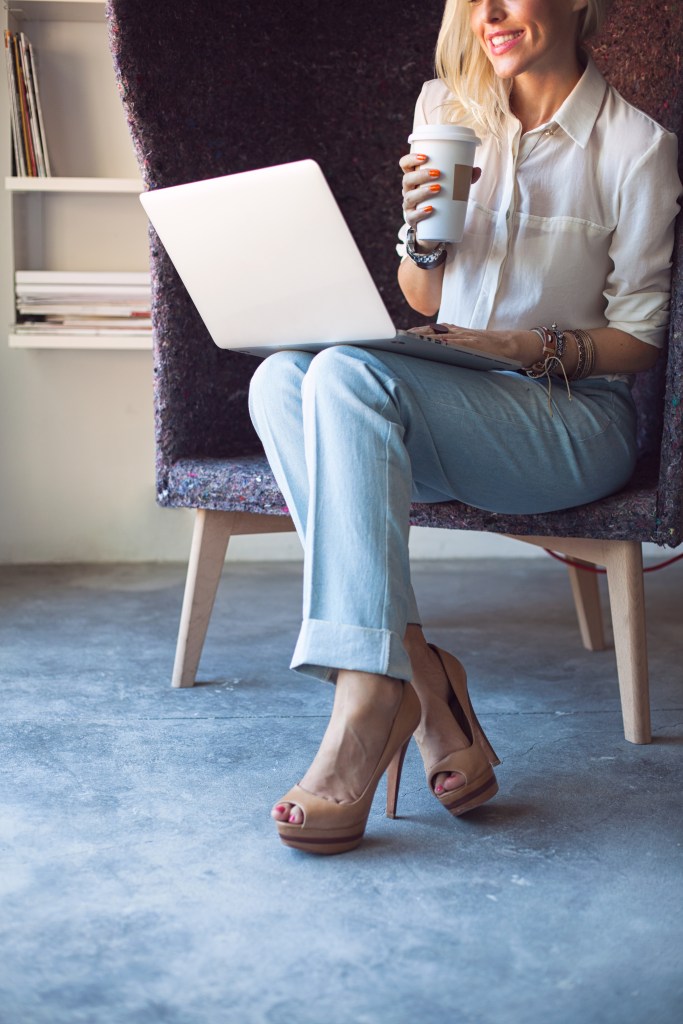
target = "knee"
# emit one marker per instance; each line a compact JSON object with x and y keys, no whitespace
{"x":276,"y":375}
{"x":338,"y":368}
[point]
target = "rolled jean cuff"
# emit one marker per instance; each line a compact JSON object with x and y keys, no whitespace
{"x":323,"y":647}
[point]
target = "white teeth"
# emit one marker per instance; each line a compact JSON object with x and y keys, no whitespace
{"x":499,"y":40}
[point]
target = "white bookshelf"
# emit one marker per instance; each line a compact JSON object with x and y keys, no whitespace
{"x":54,"y":184}
{"x":56,"y":10}
{"x":87,"y":215}
{"x":130,"y":343}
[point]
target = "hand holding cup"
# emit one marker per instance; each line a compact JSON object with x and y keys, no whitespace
{"x":436,"y":180}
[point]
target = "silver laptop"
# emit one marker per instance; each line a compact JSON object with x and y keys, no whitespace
{"x":270,"y":264}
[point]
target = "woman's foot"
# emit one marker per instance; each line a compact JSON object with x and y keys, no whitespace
{"x":438,"y":733}
{"x":364,"y":709}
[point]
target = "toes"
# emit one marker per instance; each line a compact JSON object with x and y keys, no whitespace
{"x":446,"y":782}
{"x":296,"y":816}
{"x":290,"y":813}
{"x":454,"y":780}
{"x":281,"y":811}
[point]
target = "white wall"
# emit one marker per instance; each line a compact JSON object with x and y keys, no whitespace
{"x":76,"y":434}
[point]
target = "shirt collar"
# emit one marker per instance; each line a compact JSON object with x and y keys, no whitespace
{"x":578,"y":113}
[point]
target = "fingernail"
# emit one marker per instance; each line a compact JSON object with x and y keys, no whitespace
{"x":279,"y":808}
{"x":420,"y":156}
{"x":433,"y":173}
{"x":435,"y":188}
{"x":438,"y":789}
{"x":426,"y":209}
{"x":292,"y":818}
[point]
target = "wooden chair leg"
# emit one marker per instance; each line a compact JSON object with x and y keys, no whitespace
{"x":586,"y":593}
{"x":624,"y":564}
{"x":623,"y":560}
{"x":212,"y":532}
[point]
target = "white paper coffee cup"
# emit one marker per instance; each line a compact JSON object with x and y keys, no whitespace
{"x":451,"y":149}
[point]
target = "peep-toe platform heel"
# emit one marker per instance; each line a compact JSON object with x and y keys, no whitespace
{"x":329,"y":827}
{"x":476,"y":762}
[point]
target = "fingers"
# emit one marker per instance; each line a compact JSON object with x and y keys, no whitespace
{"x":420,"y":184}
{"x":464,"y":337}
{"x":410,"y":161}
{"x":429,"y":329}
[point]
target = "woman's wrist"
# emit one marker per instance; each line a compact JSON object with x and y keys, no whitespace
{"x":529,"y":350}
{"x":425,"y":246}
{"x":526,"y":347}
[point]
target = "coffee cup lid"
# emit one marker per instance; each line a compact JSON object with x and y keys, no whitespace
{"x":443,"y":133}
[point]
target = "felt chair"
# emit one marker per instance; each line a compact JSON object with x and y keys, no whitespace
{"x":211,"y":88}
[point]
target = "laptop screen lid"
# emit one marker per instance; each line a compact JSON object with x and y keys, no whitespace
{"x":269,"y":260}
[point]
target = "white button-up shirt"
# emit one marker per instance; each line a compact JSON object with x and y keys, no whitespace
{"x":574,"y":227}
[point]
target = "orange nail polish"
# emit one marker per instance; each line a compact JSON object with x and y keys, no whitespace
{"x":420,"y":156}
{"x":433,"y":173}
{"x":427,"y":209}
{"x":435,"y":188}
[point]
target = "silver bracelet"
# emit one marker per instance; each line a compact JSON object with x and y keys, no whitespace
{"x":425,"y":260}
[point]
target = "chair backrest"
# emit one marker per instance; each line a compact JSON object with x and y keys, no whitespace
{"x":212,"y":88}
{"x":639,"y":53}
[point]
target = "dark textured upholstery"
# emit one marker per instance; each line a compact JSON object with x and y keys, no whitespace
{"x":211,"y":88}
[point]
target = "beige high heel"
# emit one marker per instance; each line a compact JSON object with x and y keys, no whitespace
{"x":330,"y":827}
{"x":476,"y":761}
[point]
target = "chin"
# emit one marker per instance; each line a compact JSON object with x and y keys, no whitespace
{"x":511,"y":68}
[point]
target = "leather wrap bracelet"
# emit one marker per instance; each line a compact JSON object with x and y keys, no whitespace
{"x":553,"y":341}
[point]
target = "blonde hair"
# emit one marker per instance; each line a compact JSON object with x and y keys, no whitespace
{"x":480,"y":98}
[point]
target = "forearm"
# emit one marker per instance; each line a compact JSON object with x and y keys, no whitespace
{"x":421,"y":288}
{"x":615,"y":351}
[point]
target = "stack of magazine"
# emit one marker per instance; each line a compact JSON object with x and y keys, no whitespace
{"x":101,"y":303}
{"x":28,"y":133}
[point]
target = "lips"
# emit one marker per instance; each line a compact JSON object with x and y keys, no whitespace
{"x":501,"y":42}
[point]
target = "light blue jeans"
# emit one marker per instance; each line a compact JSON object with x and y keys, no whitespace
{"x":354,"y":435}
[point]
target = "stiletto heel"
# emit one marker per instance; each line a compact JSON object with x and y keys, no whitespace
{"x":475,"y":763}
{"x":330,"y":827}
{"x":394,"y":779}
{"x":482,"y":739}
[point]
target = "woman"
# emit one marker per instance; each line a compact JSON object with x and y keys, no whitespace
{"x":565,"y":266}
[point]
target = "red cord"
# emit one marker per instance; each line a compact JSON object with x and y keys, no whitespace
{"x":594,"y":568}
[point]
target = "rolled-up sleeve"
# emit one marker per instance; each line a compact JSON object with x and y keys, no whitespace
{"x":638,"y":287}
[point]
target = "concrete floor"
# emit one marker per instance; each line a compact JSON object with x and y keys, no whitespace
{"x":141,"y":880}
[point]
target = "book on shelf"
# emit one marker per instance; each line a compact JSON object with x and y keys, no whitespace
{"x":86,"y":302}
{"x":82,"y":327}
{"x":29,"y":146}
{"x":83,"y":279}
{"x":83,"y":308}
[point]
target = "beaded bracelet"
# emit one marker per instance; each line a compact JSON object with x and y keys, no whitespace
{"x":553,"y":341}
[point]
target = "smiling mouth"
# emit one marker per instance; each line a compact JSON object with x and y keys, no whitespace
{"x":502,"y":39}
